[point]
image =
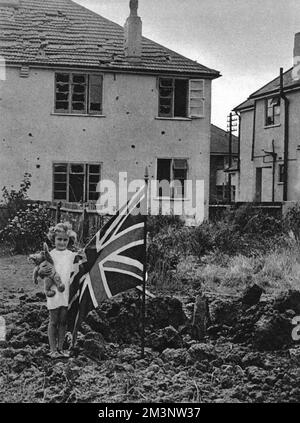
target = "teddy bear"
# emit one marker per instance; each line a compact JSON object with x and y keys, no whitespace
{"x":49,"y":280}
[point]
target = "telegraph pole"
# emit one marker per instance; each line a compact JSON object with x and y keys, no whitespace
{"x":232,"y":126}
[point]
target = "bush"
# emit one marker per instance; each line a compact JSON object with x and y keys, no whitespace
{"x":249,"y":219}
{"x":201,"y":240}
{"x":246,"y":230}
{"x":17,"y":200}
{"x":166,"y":242}
{"x":156,"y":224}
{"x":291,"y":221}
{"x":26,"y":231}
{"x":222,"y":236}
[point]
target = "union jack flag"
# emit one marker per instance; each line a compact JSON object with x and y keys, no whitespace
{"x":114,"y":261}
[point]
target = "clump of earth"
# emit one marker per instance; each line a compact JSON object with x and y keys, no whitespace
{"x":247,"y":355}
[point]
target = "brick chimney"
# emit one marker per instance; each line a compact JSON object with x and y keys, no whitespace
{"x":133,"y":33}
{"x":296,"y":69}
{"x":297,"y":48}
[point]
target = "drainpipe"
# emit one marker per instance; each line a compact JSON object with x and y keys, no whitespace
{"x":286,"y":137}
{"x":253,"y":135}
{"x":230,"y":157}
{"x":274,"y":156}
{"x":239,"y":142}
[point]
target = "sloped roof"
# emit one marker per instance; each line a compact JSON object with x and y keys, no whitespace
{"x":245,"y":105}
{"x":219,"y":142}
{"x":61,"y":32}
{"x":270,"y":88}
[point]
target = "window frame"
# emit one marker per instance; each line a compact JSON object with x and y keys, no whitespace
{"x":172,"y":160}
{"x":171,"y":115}
{"x":274,"y":113}
{"x":165,"y":115}
{"x":189,"y":98}
{"x":88,"y":86}
{"x":86,"y":190}
{"x":219,"y":193}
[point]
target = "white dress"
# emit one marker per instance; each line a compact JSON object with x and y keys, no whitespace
{"x":63,"y":263}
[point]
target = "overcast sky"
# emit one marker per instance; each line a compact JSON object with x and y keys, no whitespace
{"x":246,"y":40}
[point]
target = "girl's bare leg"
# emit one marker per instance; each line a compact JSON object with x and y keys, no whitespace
{"x":53,"y":330}
{"x":62,"y":327}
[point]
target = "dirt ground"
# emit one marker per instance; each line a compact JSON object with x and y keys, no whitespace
{"x":248,"y":354}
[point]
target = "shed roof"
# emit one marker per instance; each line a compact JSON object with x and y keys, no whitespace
{"x":220,"y":141}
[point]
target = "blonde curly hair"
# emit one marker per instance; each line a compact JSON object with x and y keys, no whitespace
{"x":62,"y":228}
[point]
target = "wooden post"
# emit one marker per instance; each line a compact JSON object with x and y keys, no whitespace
{"x":58,"y":212}
{"x":145,"y":209}
{"x":200,"y":318}
{"x":85,"y":225}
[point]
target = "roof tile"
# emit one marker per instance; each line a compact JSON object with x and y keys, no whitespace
{"x":270,"y":88}
{"x":61,"y":32}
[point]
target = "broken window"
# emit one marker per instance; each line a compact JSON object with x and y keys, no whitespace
{"x":220,"y":192}
{"x":78,"y":93}
{"x":181,"y":97}
{"x":93,"y":180}
{"x":95,"y":94}
{"x":171,"y":177}
{"x":273,"y":111}
{"x":76,"y":182}
{"x":220,"y":162}
{"x":78,"y":103}
{"x":173,"y":95}
{"x":225,"y":194}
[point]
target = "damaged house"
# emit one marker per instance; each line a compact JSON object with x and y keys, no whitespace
{"x":223,"y":158}
{"x":84,"y":99}
{"x":270,"y":139}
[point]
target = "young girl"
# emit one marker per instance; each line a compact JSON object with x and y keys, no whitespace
{"x":62,"y":237}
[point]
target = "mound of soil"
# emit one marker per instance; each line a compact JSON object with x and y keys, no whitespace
{"x":247,"y":355}
{"x":119,"y":319}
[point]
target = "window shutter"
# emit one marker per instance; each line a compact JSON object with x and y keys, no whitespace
{"x":196,"y":98}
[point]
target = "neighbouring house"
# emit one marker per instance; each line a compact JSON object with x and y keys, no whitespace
{"x":223,"y":166}
{"x":85,"y":99}
{"x":270,"y":139}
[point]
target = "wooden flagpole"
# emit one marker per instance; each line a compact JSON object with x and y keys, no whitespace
{"x":145,"y":263}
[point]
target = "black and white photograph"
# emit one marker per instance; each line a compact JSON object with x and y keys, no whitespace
{"x":149,"y":205}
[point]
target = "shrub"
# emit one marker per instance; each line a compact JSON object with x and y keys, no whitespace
{"x":201,"y":240}
{"x":25,"y":232}
{"x":17,"y":200}
{"x":166,"y":242}
{"x":245,"y":231}
{"x":155,"y":224}
{"x":249,"y":219}
{"x":291,"y":221}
